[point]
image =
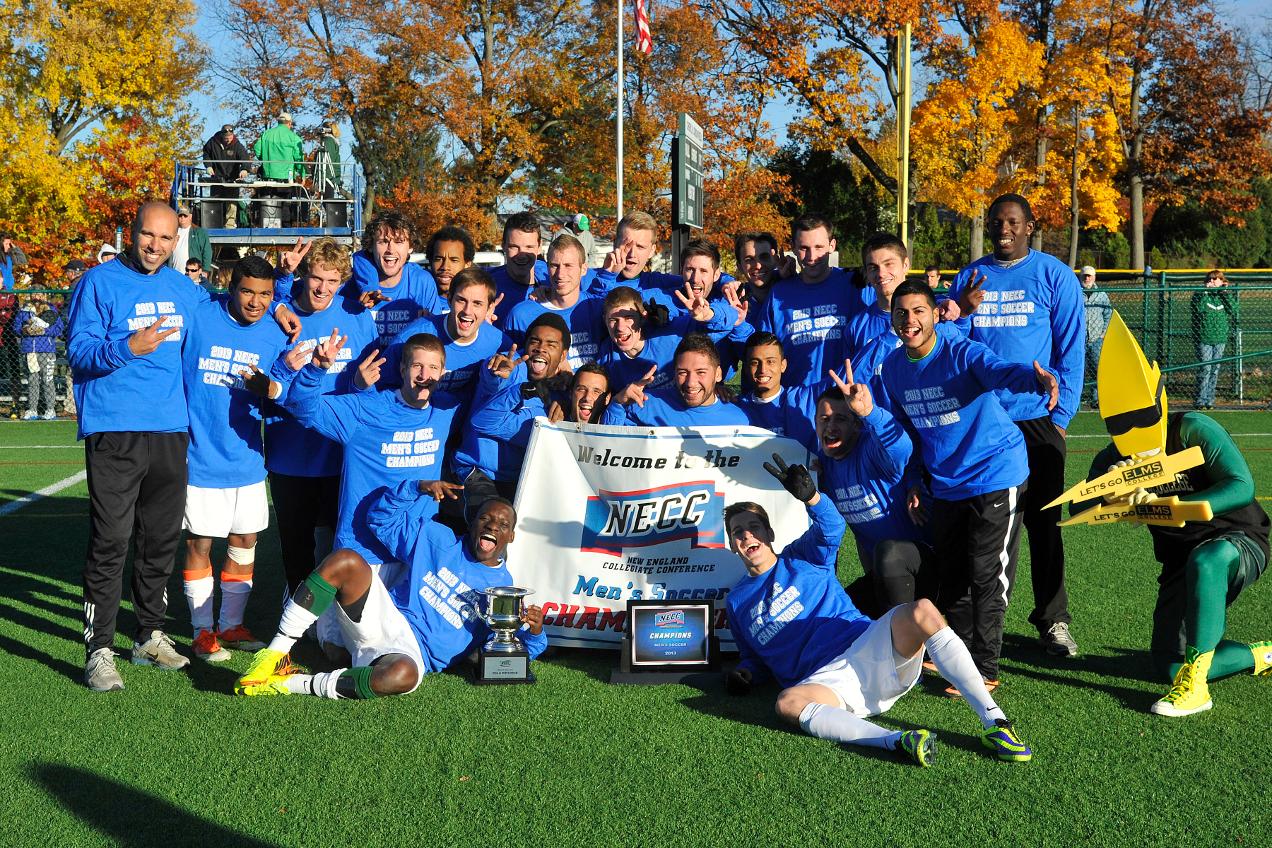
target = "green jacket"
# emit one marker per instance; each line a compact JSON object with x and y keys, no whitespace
{"x":1213,"y":312}
{"x":279,"y":150}
{"x":200,"y":248}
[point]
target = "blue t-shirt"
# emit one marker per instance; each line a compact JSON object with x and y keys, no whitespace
{"x":463,"y":360}
{"x":225,"y":418}
{"x":868,"y":486}
{"x":415,"y":293}
{"x":792,"y":412}
{"x":660,"y":348}
{"x":500,"y":425}
{"x":439,"y":594}
{"x":666,"y":408}
{"x":385,"y":442}
{"x":115,"y":389}
{"x":811,"y":320}
{"x":796,"y":617}
{"x":290,"y":447}
{"x":949,"y":403}
{"x":586,"y":320}
{"x":1032,"y":310}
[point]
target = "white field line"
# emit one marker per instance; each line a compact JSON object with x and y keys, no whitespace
{"x":14,"y":506}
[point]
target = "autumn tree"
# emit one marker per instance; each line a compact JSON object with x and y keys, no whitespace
{"x":77,"y":76}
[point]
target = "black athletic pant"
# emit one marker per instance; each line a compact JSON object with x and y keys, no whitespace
{"x":137,"y":492}
{"x":898,"y":572}
{"x":1046,"y":449}
{"x":976,"y":541}
{"x":302,"y":504}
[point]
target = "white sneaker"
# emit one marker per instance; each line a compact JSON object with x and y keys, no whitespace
{"x":100,"y":673}
{"x":159,"y":651}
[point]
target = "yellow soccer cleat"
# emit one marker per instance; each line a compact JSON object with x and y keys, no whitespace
{"x":262,"y":674}
{"x":1190,"y":693}
{"x":1262,"y":657}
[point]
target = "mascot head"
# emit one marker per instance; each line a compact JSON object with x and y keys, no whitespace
{"x":1132,"y":394}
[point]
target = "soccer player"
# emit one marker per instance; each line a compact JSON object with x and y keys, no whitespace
{"x":786,"y":410}
{"x":511,"y":391}
{"x":864,"y":458}
{"x":635,"y":241}
{"x":225,"y":346}
{"x":425,"y":623}
{"x":1025,"y":306}
{"x":946,"y":391}
{"x":1205,"y":564}
{"x":470,"y":339}
{"x":809,"y":313}
{"x":792,"y":621}
{"x":388,"y":436}
{"x":589,"y":392}
{"x":405,"y":290}
{"x":450,"y":250}
{"x":304,"y":465}
{"x":756,"y":255}
{"x":697,"y":397}
{"x":581,"y":313}
{"x":641,"y":335}
{"x":522,"y":270}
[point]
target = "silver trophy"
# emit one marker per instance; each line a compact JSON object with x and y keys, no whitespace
{"x":504,"y":659}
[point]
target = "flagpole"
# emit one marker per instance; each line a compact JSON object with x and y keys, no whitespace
{"x":619,"y":112}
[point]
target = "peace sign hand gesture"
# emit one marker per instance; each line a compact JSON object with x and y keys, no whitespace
{"x":289,"y":260}
{"x":970,"y":298}
{"x":858,"y":395}
{"x":794,"y":478}
{"x":502,"y":365}
{"x":695,"y":304}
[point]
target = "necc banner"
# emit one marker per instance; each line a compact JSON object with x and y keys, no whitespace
{"x":611,"y":514}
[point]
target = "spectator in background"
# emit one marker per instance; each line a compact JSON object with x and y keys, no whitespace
{"x":1213,"y":312}
{"x":74,"y":270}
{"x":327,"y":163}
{"x":194,"y":270}
{"x":1098,"y":312}
{"x":37,"y":326}
{"x":282,"y":159}
{"x":192,"y":241}
{"x":932,"y":276}
{"x":227,"y":161}
{"x":10,"y":375}
{"x":106,"y":253}
{"x":581,"y":227}
{"x":11,"y":259}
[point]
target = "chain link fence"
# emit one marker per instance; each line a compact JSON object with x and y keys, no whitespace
{"x":1185,"y":326}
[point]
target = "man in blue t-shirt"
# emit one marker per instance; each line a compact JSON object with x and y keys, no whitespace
{"x":949,"y":393}
{"x":225,"y":349}
{"x":401,"y":290}
{"x":696,"y":398}
{"x":424,"y":624}
{"x":1026,"y":305}
{"x":794,"y":623}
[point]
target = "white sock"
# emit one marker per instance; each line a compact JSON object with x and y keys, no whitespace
{"x":826,"y":722}
{"x":199,"y":596}
{"x":296,"y":619}
{"x":324,"y":685}
{"x":300,"y":684}
{"x":234,"y":595}
{"x":956,"y":665}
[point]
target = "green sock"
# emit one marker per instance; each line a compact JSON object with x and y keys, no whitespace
{"x":356,"y":683}
{"x":321,"y":594}
{"x":1230,"y":658}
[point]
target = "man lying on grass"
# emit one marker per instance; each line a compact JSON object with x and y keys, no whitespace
{"x":425,"y":622}
{"x":793,"y":620}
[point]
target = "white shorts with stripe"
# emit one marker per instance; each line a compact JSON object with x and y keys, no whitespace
{"x":216,"y":513}
{"x":866,"y":677}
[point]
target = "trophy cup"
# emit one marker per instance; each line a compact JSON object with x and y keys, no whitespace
{"x":503,"y":659}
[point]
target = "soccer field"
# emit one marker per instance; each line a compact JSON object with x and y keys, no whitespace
{"x":177,"y":760}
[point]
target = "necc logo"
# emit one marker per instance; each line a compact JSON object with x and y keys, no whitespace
{"x":617,"y":520}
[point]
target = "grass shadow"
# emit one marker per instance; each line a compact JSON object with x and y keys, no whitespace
{"x":130,"y":817}
{"x":13,"y":647}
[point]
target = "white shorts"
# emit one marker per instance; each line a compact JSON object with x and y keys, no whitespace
{"x":866,"y":678}
{"x":382,"y":630}
{"x":216,"y":513}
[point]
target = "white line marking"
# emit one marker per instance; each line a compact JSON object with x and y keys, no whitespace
{"x":1106,"y":438}
{"x":14,"y":506}
{"x":41,"y":447}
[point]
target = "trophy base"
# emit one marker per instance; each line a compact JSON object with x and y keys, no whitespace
{"x":502,"y":667}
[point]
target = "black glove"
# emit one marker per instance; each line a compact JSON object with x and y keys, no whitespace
{"x":738,"y":682}
{"x":535,"y":388}
{"x":795,"y":478}
{"x":656,"y":314}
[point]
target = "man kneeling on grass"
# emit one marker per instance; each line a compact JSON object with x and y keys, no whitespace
{"x":426,"y":622}
{"x":793,"y":620}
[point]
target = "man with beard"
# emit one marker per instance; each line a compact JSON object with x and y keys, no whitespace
{"x":696,"y":398}
{"x":423,"y":624}
{"x":589,"y":392}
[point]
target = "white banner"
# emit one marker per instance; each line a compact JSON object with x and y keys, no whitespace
{"x":611,"y":514}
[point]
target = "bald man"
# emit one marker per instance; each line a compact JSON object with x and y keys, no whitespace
{"x":127,"y":321}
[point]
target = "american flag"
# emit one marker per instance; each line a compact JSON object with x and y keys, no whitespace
{"x":644,"y":41}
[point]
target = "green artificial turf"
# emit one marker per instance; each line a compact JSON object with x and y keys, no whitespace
{"x":176,"y":760}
